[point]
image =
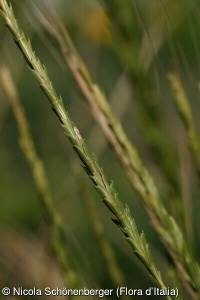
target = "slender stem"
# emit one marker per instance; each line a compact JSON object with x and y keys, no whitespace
{"x":123,"y":218}
{"x":115,"y":273}
{"x":164,"y":224}
{"x":40,"y":178}
{"x":127,"y":45}
{"x":183,"y":107}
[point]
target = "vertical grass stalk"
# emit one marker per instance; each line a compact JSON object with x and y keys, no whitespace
{"x":163,"y":223}
{"x":40,"y":179}
{"x":183,"y":107}
{"x":123,"y":218}
{"x":106,"y":249}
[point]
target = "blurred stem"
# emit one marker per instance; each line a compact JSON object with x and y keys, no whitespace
{"x":167,"y":228}
{"x":40,"y":177}
{"x":98,"y":228}
{"x":183,"y":107}
{"x":125,"y":33}
{"x":123,"y":218}
{"x":173,"y":279}
{"x":125,"y":17}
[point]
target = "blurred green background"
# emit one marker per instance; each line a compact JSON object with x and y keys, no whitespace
{"x":129,"y":61}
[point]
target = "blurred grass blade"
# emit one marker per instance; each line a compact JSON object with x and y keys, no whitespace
{"x":114,"y":270}
{"x":40,"y":178}
{"x":183,"y":107}
{"x":107,"y":192}
{"x":167,"y":228}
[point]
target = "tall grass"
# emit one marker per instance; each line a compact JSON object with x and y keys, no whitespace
{"x":170,"y":226}
{"x":123,"y":218}
{"x":39,"y":174}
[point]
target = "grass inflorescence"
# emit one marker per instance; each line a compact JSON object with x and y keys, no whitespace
{"x":169,"y":230}
{"x":122,"y":216}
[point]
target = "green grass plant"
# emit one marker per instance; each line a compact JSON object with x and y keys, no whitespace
{"x":164,"y":224}
{"x":122,"y":216}
{"x":127,"y":34}
{"x":36,"y":165}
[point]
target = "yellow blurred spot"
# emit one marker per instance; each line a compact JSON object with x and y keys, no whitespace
{"x":96,"y":25}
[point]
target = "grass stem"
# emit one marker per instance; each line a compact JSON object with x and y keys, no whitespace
{"x":164,"y":224}
{"x":123,"y":218}
{"x":40,"y":178}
